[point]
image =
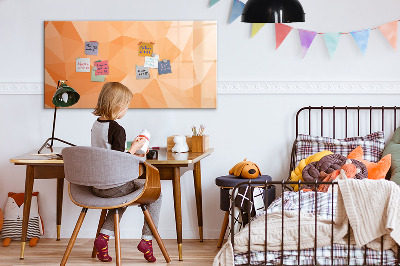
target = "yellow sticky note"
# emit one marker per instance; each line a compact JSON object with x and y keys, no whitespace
{"x":145,"y":48}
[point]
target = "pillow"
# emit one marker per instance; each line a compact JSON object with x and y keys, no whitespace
{"x":375,"y":170}
{"x":372,"y":144}
{"x":296,"y":174}
{"x":393,"y":148}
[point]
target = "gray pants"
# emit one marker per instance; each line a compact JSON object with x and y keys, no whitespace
{"x":153,"y":208}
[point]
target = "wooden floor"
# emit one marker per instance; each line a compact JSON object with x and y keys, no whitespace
{"x":50,"y":252}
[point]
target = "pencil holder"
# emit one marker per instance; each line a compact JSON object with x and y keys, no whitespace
{"x":200,"y":143}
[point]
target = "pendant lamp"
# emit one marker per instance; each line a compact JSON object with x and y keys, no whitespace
{"x":64,"y":96}
{"x":272,"y":11}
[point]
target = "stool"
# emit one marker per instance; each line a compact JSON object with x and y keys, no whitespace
{"x":226,"y":183}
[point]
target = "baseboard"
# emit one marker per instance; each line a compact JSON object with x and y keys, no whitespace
{"x":259,"y":87}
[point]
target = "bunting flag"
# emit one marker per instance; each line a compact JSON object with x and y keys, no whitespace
{"x":332,"y":41}
{"x":256,"y":27}
{"x":237,"y":9}
{"x":389,"y":30}
{"x":213,"y":2}
{"x":361,"y":37}
{"x":281,"y":31}
{"x":306,"y":39}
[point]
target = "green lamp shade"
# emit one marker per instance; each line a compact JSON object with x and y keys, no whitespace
{"x":65,"y":96}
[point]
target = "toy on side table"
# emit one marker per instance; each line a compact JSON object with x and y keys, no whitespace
{"x":13,"y":215}
{"x":245,"y":169}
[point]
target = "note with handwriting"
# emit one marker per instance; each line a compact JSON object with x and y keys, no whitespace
{"x":145,"y":48}
{"x":151,"y":61}
{"x":164,"y":67}
{"x":102,"y":67}
{"x":82,"y":64}
{"x":99,"y":78}
{"x":92,"y":48}
{"x":142,"y":72}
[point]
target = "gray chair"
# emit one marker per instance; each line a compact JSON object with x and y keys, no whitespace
{"x":85,"y":167}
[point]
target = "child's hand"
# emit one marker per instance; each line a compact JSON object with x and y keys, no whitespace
{"x":137,"y":144}
{"x":142,"y":155}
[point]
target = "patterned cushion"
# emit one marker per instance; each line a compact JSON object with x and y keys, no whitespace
{"x":372,"y":144}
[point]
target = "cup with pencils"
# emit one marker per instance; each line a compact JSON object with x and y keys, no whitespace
{"x":199,"y":140}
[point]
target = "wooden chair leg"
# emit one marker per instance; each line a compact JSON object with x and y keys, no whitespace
{"x":117,"y":238}
{"x":101,"y":222}
{"x":73,"y":237}
{"x":154,"y":230}
{"x":223,"y":229}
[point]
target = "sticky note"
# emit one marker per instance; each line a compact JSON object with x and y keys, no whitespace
{"x":164,"y":67}
{"x":102,"y":67}
{"x":145,"y":48}
{"x":151,"y":61}
{"x":100,"y":78}
{"x":142,"y":72}
{"x":91,"y":48}
{"x":82,"y":64}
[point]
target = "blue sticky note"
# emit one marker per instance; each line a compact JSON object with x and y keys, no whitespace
{"x":164,"y":67}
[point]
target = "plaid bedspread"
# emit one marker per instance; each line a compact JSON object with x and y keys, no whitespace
{"x":322,"y":205}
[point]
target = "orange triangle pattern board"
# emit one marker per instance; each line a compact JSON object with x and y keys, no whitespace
{"x":191,"y":47}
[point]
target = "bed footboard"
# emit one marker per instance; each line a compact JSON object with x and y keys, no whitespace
{"x":309,"y":256}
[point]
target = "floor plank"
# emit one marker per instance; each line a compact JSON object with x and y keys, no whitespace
{"x":50,"y":252}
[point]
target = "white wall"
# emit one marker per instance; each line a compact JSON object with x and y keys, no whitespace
{"x":259,"y":127}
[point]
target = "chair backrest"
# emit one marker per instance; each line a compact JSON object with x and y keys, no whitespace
{"x":92,"y":166}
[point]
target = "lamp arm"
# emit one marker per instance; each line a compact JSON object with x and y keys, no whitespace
{"x":54,"y":126}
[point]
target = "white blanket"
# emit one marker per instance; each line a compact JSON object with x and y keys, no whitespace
{"x":371,"y":206}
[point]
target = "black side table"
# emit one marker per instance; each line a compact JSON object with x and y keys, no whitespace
{"x":226,"y":183}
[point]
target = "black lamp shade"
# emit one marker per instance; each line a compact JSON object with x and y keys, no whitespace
{"x":273,"y":11}
{"x":65,"y":96}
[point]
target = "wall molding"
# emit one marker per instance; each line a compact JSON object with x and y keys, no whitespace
{"x":258,"y":87}
{"x":309,"y":87}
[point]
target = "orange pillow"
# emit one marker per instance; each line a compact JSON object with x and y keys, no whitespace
{"x":375,"y":170}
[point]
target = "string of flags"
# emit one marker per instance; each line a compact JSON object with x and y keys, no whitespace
{"x":361,"y":37}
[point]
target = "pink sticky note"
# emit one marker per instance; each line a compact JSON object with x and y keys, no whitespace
{"x":102,"y":67}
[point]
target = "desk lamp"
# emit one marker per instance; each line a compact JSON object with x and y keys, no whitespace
{"x":272,"y":11}
{"x":63,"y":97}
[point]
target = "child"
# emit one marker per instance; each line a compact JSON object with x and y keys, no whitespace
{"x":106,"y":133}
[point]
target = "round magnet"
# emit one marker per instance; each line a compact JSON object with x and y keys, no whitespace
{"x":164,"y":60}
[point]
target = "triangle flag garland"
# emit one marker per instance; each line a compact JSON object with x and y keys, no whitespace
{"x":256,"y":27}
{"x":281,"y":31}
{"x":306,"y":39}
{"x":389,"y":30}
{"x":237,"y":9}
{"x":213,"y":2}
{"x":361,"y":37}
{"x":332,"y":41}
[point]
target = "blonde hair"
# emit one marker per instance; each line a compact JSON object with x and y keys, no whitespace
{"x":113,"y":97}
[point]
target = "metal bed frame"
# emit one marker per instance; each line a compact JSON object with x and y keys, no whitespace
{"x":283,"y":184}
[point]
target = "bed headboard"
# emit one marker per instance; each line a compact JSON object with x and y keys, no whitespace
{"x":344,"y":121}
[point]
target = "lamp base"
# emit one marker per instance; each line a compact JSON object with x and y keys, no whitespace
{"x":50,"y":146}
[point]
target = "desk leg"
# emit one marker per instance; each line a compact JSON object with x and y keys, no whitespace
{"x":27,"y":206}
{"x":199,"y":204}
{"x":60,"y":190}
{"x":176,"y":182}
